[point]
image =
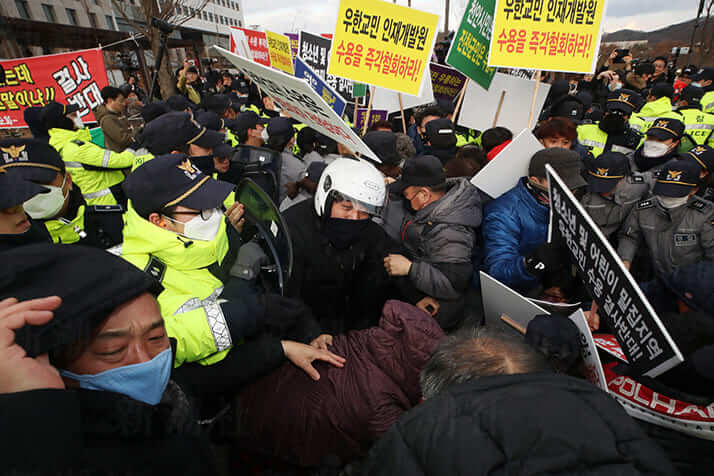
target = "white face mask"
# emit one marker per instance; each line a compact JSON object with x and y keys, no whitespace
{"x":653,"y":148}
{"x":46,"y":205}
{"x":697,"y":84}
{"x":614,"y":86}
{"x":672,"y":202}
{"x":203,"y":230}
{"x":78,"y":121}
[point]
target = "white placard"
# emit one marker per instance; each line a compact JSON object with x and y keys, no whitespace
{"x":385,"y":99}
{"x":503,"y":172}
{"x":479,"y":106}
{"x":588,"y":350}
{"x":300,"y":101}
{"x":499,"y":299}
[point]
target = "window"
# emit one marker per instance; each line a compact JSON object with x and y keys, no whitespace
{"x":205,"y":15}
{"x":210,"y":16}
{"x":49,"y":13}
{"x":23,"y":9}
{"x":110,"y":21}
{"x":98,"y":3}
{"x":72,"y":16}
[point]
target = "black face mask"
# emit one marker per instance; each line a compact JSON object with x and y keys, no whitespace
{"x":204,"y":163}
{"x":541,"y":196}
{"x":613,"y":123}
{"x":408,"y":205}
{"x":342,"y":233}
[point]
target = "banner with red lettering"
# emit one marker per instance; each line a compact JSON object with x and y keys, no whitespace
{"x":256,"y":42}
{"x":75,"y":78}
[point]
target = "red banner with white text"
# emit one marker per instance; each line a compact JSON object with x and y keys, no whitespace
{"x":76,"y":78}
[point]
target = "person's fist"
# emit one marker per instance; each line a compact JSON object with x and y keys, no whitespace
{"x":397,"y":265}
{"x":429,"y":304}
{"x":235,"y":216}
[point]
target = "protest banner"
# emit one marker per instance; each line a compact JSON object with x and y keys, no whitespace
{"x":300,"y":101}
{"x":550,"y":36}
{"x":315,"y":50}
{"x":69,"y":78}
{"x":383,"y":44}
{"x":303,"y":71}
{"x":446,"y":82}
{"x":375,"y":115}
{"x":637,"y":328}
{"x":279,"y":50}
{"x":389,"y":100}
{"x":588,"y":350}
{"x":505,"y":170}
{"x":257,"y":44}
{"x":514,"y":94}
{"x":294,"y":43}
{"x":469,"y":49}
{"x":499,"y":299}
{"x":359,"y":90}
{"x":608,"y":343}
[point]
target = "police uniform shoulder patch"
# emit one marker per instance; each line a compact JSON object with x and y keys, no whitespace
{"x":637,"y":179}
{"x":107,"y":208}
{"x":701,"y":206}
{"x":155,"y":268}
{"x":78,"y":142}
{"x":649,"y":203}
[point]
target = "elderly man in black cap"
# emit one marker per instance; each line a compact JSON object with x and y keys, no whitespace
{"x":661,"y":144}
{"x":613,"y":190}
{"x":62,"y":211}
{"x":16,"y":228}
{"x":438,"y":232}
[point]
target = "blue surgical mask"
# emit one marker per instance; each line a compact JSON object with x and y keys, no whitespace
{"x":145,"y":382}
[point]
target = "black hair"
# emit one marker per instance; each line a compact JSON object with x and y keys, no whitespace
{"x":494,"y":137}
{"x":644,"y":68}
{"x":422,"y":113}
{"x":660,"y":58}
{"x":110,"y":92}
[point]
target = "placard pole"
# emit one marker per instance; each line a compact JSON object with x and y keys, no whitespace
{"x":401,"y":110}
{"x":369,"y":111}
{"x":461,"y":99}
{"x":533,"y":100}
{"x":498,"y":109}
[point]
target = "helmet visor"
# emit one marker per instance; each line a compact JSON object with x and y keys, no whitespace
{"x":350,"y":203}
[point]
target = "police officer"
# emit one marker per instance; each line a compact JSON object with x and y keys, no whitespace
{"x":661,"y":144}
{"x":280,"y":137}
{"x":16,"y":228}
{"x":697,"y":124}
{"x":659,"y":105}
{"x":248,"y":128}
{"x":613,"y":132}
{"x":95,"y":170}
{"x":676,"y":226}
{"x":612,"y":191}
{"x":62,"y":210}
{"x":705,"y":80}
{"x":703,"y":156}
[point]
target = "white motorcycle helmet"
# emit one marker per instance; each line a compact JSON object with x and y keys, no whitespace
{"x":353,"y":180}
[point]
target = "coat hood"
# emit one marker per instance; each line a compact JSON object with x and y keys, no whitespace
{"x":461,"y":205}
{"x":100,"y":112}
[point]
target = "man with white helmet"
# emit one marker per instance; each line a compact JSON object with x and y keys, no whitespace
{"x":338,"y":249}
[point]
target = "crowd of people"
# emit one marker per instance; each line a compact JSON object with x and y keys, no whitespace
{"x":146,"y":327}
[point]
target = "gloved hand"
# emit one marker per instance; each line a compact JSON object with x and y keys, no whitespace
{"x":250,"y":259}
{"x":545,"y":258}
{"x":245,"y":316}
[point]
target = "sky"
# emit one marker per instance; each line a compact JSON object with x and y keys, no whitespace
{"x":319,"y":16}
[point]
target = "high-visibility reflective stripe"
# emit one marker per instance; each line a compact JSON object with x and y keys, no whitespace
{"x":107,"y":156}
{"x":100,"y":193}
{"x":707,"y":106}
{"x":218,"y":325}
{"x":592,"y":143}
{"x":636,"y":126}
{"x":74,"y":165}
{"x":622,"y":149}
{"x":699,"y":127}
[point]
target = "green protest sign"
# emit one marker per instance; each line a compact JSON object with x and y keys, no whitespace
{"x":359,"y":90}
{"x":469,"y":50}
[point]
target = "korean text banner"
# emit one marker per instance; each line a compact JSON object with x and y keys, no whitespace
{"x":303,"y":71}
{"x":446,"y":82}
{"x":469,"y":50}
{"x":561,"y":35}
{"x":75,"y":78}
{"x":315,"y":50}
{"x":382,"y":44}
{"x":257,"y":44}
{"x":294,"y":43}
{"x":279,"y":50}
{"x":300,"y":101}
{"x":375,"y":115}
{"x":648,"y":346}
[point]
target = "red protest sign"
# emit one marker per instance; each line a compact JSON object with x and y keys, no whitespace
{"x":256,"y":42}
{"x":75,"y":78}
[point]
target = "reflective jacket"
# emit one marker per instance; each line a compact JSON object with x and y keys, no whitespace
{"x":707,"y":102}
{"x":188,"y":271}
{"x":93,"y":169}
{"x":643,"y":120}
{"x":698,"y":125}
{"x":597,"y":141}
{"x":514,"y":225}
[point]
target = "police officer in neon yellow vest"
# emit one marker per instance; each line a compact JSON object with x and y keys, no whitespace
{"x":705,"y":80}
{"x":613,"y":132}
{"x":662,"y":143}
{"x":62,"y":210}
{"x":95,"y":170}
{"x":697,"y":124}
{"x":658,"y":105}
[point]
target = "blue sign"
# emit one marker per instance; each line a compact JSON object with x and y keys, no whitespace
{"x":302,"y":70}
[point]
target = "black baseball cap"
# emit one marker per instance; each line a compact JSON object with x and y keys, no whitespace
{"x":662,"y":89}
{"x":223,"y":150}
{"x":14,"y":190}
{"x":210,"y":120}
{"x":664,"y":128}
{"x":624,"y":100}
{"x":279,"y":127}
{"x":606,"y":171}
{"x":91,"y":282}
{"x":703,"y":155}
{"x":173,"y":130}
{"x":217,"y":103}
{"x":31,"y":159}
{"x":54,"y":114}
{"x":170,"y":180}
{"x":153,"y":110}
{"x":441,"y":133}
{"x":704,"y":74}
{"x":178,"y":102}
{"x":421,"y":171}
{"x":568,"y":106}
{"x":565,"y":162}
{"x":677,"y":178}
{"x":692,"y":94}
{"x":247,"y":120}
{"x":384,"y":144}
{"x":314,"y":171}
{"x":689,"y":70}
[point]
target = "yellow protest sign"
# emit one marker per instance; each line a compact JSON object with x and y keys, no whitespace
{"x":279,"y":50}
{"x":382,"y":44}
{"x":562,"y":35}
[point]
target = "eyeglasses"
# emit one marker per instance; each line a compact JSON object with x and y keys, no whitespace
{"x":205,"y":214}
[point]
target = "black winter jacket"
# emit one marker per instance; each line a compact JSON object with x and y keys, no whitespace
{"x":524,"y":424}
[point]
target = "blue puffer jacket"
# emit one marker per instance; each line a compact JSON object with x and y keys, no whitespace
{"x":514,"y":225}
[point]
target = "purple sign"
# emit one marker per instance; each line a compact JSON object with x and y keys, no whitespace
{"x":446,"y":82}
{"x":294,"y":42}
{"x":376,"y":115}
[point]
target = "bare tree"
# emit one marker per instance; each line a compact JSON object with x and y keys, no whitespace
{"x":176,"y":12}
